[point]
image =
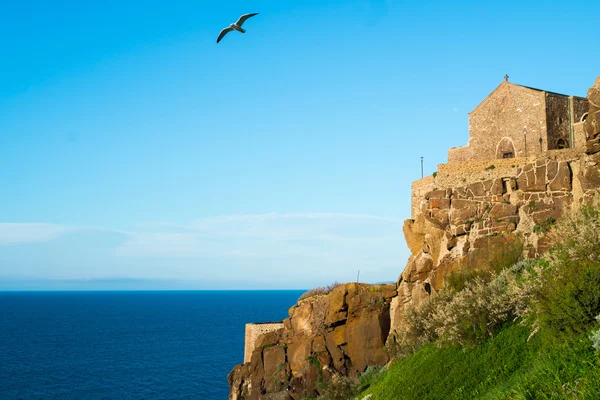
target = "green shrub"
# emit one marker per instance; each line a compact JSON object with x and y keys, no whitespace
{"x":595,"y":336}
{"x":366,"y":379}
{"x":507,"y":255}
{"x":563,"y":370}
{"x":568,"y":299}
{"x":452,"y":372}
{"x":461,"y":279}
{"x":340,"y":387}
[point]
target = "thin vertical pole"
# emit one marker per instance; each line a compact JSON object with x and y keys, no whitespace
{"x":357,"y":276}
{"x":421,"y":167}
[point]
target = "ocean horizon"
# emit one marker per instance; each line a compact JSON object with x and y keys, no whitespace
{"x":128,"y":344}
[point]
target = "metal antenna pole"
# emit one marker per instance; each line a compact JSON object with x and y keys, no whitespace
{"x":357,"y":276}
{"x":421,"y":167}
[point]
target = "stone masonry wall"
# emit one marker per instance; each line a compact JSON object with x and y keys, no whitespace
{"x":513,"y":118}
{"x":253,"y":331}
{"x":580,"y":107}
{"x":419,"y":188}
{"x":501,"y":117}
{"x":462,"y":173}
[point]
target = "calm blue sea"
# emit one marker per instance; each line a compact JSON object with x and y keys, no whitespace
{"x":127,"y":345}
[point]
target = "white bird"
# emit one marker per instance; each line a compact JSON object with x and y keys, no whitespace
{"x":235,"y":27}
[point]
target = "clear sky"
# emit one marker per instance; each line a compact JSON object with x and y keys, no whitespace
{"x":135,"y":152}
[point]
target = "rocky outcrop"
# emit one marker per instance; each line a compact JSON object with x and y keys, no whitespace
{"x":592,"y":122}
{"x":486,"y":223}
{"x":342,"y":332}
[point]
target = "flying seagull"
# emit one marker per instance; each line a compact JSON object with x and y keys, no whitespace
{"x":235,"y":27}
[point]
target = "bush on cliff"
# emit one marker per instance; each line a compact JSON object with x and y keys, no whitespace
{"x":318,"y":291}
{"x":568,"y":300}
{"x":470,"y":315}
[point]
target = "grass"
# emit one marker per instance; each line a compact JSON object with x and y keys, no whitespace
{"x":458,"y":373}
{"x":507,"y":366}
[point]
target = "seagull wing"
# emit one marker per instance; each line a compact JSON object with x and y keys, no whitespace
{"x":223,"y":33}
{"x":243,"y":18}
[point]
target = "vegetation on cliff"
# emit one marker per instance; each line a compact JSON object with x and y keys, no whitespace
{"x":528,"y":331}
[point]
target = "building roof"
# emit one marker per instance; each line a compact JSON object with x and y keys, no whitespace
{"x":521,"y":86}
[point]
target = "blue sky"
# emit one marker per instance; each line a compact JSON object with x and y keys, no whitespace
{"x":135,"y":152}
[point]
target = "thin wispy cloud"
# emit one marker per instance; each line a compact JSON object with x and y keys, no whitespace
{"x":12,"y":233}
{"x":277,"y":246}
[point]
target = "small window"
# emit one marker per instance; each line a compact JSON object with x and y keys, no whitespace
{"x":508,"y":155}
{"x":584,"y":117}
{"x":559,"y":120}
{"x":561,"y":144}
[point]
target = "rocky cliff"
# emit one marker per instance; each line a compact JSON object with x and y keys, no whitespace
{"x":341,"y":332}
{"x":469,"y":215}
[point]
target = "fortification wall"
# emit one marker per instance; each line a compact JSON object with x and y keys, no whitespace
{"x":419,"y":188}
{"x":253,"y":331}
{"x":462,"y":173}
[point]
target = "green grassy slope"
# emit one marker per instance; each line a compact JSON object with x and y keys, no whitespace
{"x":504,"y":367}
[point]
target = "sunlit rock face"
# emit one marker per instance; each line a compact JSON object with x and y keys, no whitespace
{"x":341,"y":332}
{"x":592,"y":122}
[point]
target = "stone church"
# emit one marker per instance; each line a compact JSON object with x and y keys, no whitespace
{"x":519,"y":121}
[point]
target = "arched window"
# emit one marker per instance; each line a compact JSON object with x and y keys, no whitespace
{"x":561,"y":144}
{"x":505,"y":148}
{"x":584,"y":117}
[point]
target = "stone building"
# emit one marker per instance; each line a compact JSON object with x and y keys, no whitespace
{"x":519,"y":121}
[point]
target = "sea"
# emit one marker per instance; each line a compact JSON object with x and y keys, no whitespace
{"x":127,"y":345}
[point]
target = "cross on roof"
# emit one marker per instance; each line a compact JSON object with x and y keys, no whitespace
{"x":506,"y":77}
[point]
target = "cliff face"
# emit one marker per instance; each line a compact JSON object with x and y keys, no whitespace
{"x":341,"y":332}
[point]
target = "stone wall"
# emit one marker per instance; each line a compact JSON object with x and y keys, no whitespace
{"x":580,"y":107}
{"x":499,"y":122}
{"x":513,"y":118}
{"x":253,"y":331}
{"x":419,"y":188}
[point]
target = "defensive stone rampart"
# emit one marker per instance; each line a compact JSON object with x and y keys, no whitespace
{"x":253,"y":331}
